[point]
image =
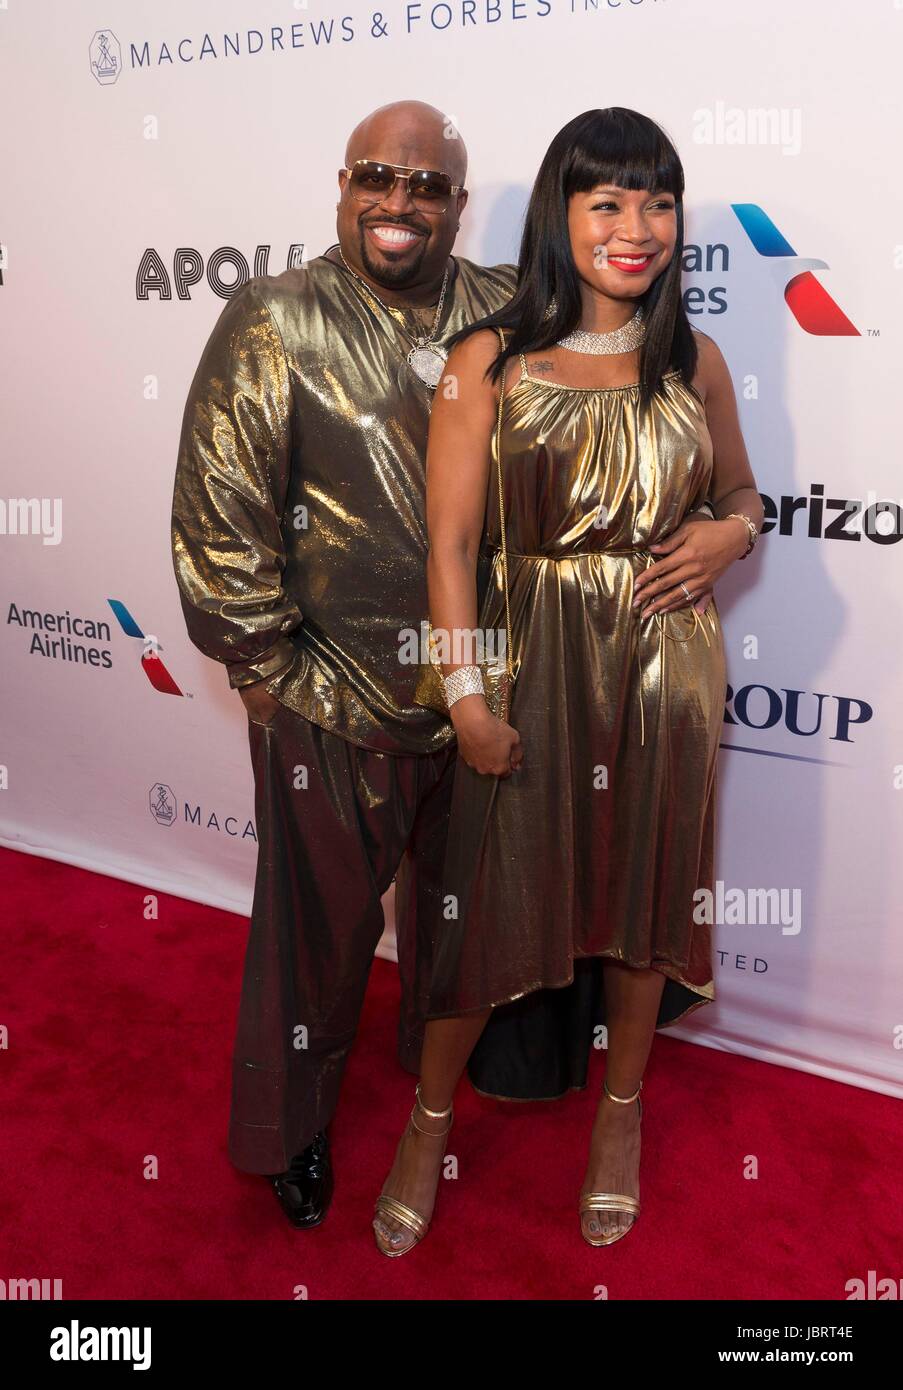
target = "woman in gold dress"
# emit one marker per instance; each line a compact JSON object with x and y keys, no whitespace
{"x":582,"y":825}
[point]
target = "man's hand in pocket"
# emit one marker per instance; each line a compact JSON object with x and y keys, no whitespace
{"x":259,"y":703}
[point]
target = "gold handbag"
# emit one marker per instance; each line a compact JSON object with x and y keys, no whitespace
{"x":498,"y":675}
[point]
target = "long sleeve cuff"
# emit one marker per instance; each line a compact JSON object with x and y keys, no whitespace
{"x":270,"y":663}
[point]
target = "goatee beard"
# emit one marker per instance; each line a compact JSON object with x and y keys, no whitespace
{"x":393,"y":276}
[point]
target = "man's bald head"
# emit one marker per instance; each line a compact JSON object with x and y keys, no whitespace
{"x":411,"y":134}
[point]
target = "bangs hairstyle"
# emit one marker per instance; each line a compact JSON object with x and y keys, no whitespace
{"x":611,"y":146}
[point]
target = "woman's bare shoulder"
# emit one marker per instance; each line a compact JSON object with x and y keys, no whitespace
{"x":711,"y":368}
{"x":473,"y":355}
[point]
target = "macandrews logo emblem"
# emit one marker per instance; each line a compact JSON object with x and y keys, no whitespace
{"x":807,"y":299}
{"x":106,"y":57}
{"x":162,"y":802}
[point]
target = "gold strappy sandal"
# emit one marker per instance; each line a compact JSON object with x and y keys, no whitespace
{"x":390,"y":1206}
{"x":613,"y":1201}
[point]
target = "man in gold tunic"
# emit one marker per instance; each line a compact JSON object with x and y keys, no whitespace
{"x":299,"y":546}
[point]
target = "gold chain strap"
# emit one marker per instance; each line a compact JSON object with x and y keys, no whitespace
{"x":498,"y":464}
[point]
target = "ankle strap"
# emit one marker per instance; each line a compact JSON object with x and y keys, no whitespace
{"x":432,"y":1114}
{"x":432,"y":1134}
{"x":621,"y":1100}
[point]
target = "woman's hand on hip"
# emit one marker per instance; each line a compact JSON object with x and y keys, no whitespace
{"x":696,"y":554}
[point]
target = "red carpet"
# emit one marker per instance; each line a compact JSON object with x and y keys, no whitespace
{"x":120,"y":1034}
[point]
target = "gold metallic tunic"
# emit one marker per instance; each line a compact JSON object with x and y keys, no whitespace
{"x":597,"y":844}
{"x":298,"y":522}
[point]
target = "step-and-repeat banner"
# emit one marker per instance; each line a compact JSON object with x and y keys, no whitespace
{"x":152,"y":166}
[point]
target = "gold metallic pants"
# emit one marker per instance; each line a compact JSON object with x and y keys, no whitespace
{"x":335,"y":823}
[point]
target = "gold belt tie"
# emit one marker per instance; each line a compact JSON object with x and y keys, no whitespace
{"x":650,"y":559}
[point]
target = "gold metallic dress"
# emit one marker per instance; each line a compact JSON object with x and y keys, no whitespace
{"x":595,"y":847}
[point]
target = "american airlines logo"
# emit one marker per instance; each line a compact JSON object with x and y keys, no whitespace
{"x":151,"y":663}
{"x":807,"y":299}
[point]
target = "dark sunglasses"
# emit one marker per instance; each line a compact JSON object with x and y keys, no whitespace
{"x":371,"y":182}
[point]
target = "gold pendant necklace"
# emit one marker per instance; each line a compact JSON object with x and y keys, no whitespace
{"x":426,"y":358}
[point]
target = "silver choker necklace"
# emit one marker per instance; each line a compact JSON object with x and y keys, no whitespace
{"x":623,"y":339}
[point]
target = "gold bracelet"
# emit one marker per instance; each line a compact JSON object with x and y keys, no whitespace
{"x":750,"y":526}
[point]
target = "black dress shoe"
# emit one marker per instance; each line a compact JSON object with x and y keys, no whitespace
{"x":305,"y":1190}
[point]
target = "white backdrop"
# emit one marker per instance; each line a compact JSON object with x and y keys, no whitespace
{"x":144,"y":153}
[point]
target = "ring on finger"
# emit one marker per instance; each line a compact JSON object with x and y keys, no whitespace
{"x":687,"y":592}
